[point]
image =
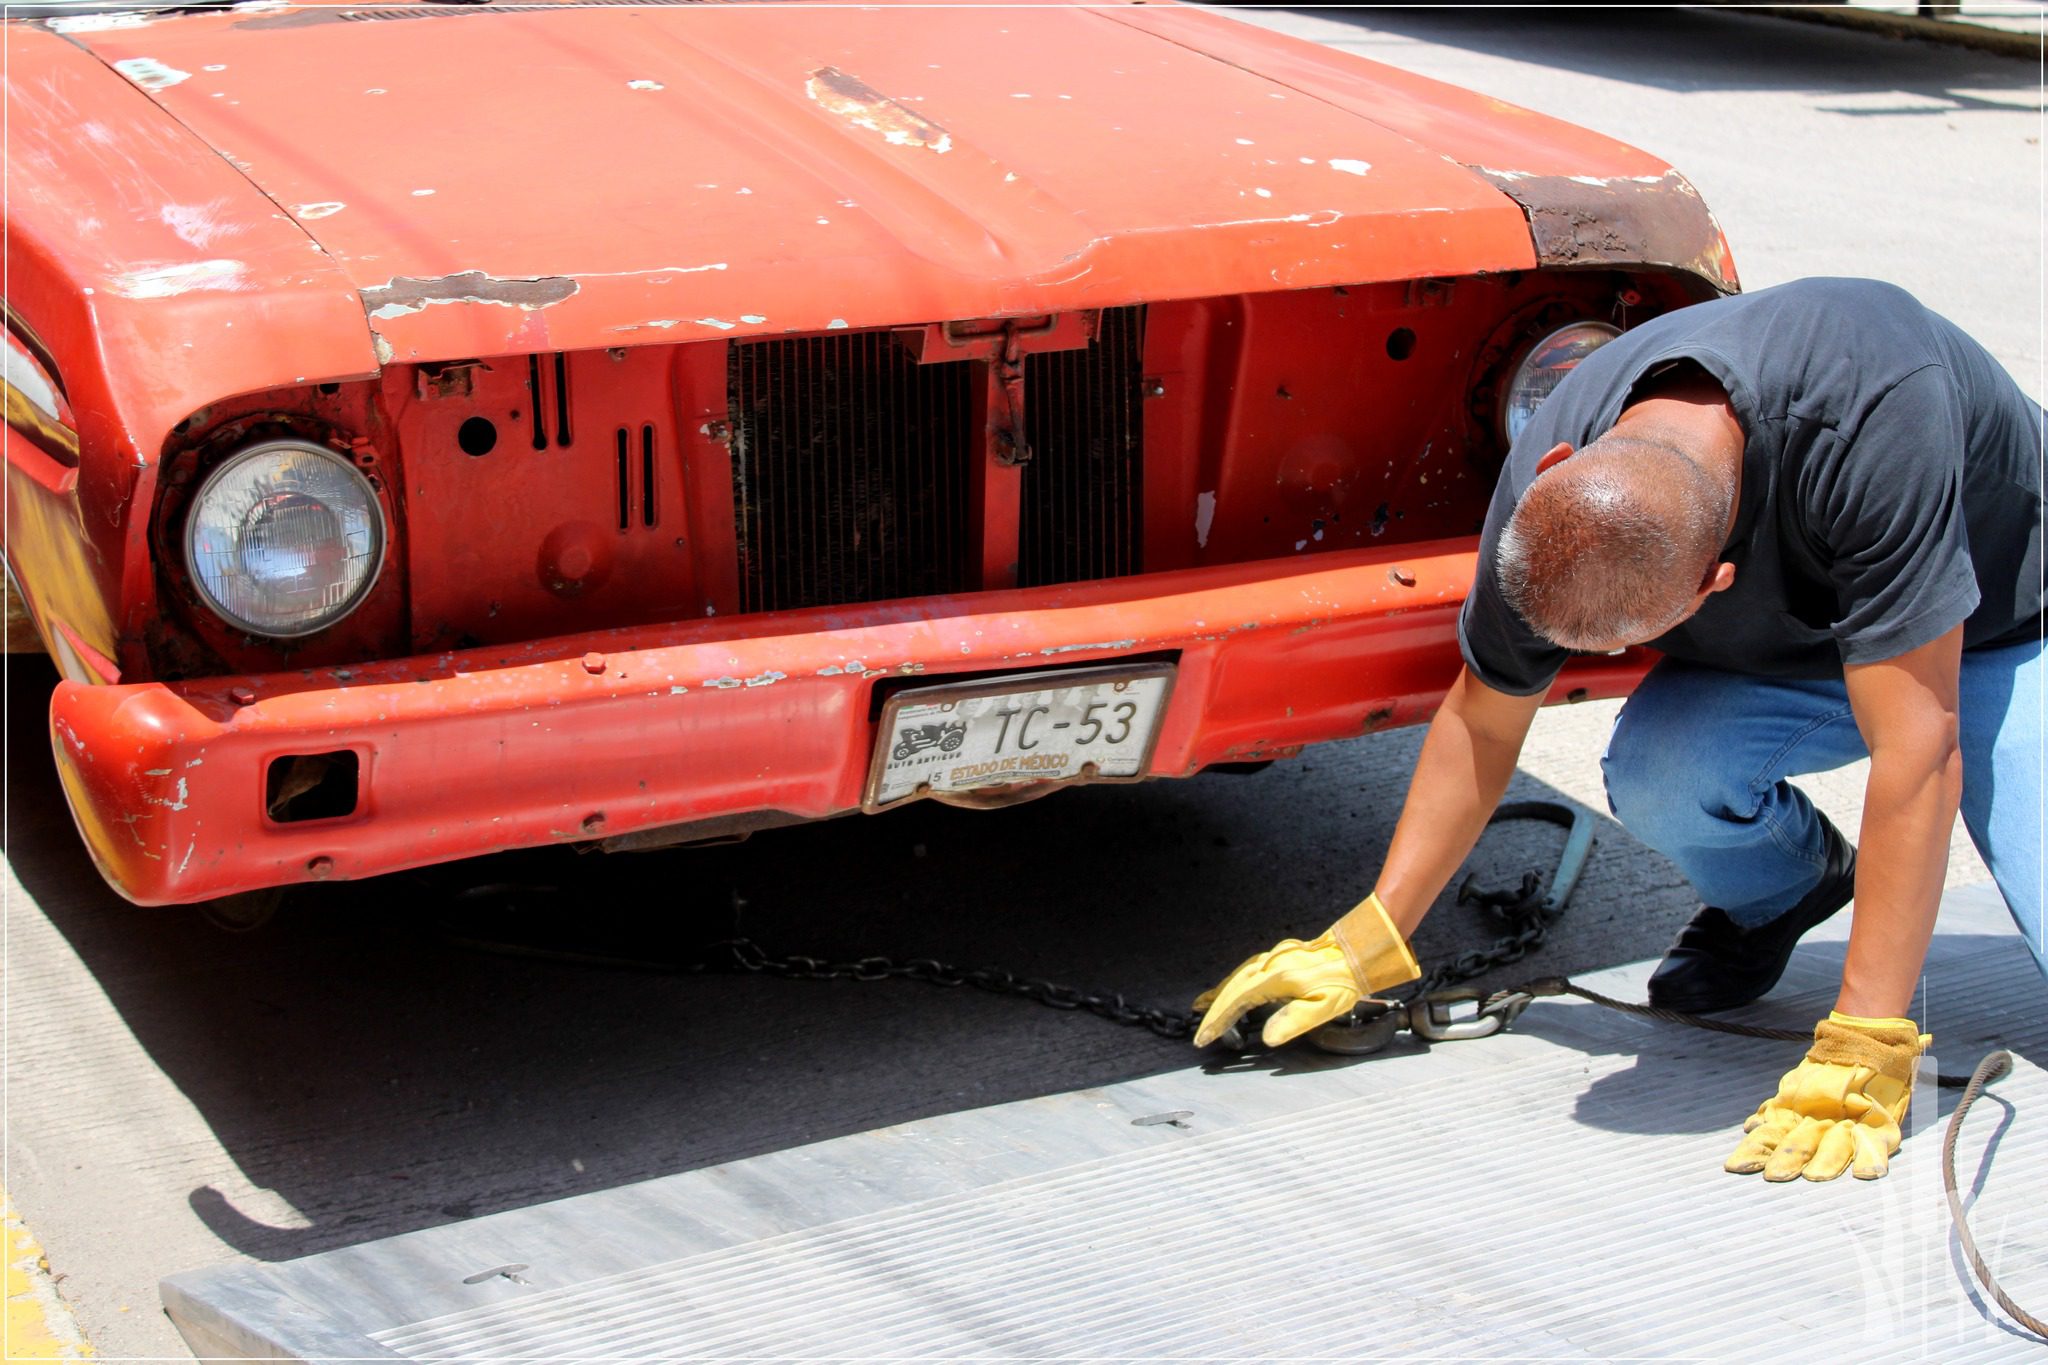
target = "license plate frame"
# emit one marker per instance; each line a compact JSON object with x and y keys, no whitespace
{"x":941,"y":700}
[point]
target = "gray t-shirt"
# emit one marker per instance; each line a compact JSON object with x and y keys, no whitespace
{"x":1891,"y":485}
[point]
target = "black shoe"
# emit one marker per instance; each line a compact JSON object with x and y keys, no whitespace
{"x":1717,"y":964}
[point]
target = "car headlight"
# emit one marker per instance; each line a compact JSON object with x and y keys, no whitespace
{"x":284,"y":538}
{"x":1543,"y":368}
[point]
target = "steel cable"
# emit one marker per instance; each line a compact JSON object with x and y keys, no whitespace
{"x":1994,"y":1065}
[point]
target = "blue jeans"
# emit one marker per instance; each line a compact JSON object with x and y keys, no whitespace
{"x":1697,"y":763}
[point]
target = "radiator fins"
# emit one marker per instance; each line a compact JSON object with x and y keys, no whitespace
{"x":850,"y":472}
{"x":852,"y":466}
{"x":1083,"y":419}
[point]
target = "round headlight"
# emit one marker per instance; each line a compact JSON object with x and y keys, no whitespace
{"x":1544,"y":367}
{"x":284,"y":538}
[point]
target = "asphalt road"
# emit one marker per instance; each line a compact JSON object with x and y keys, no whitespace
{"x":178,"y":1096}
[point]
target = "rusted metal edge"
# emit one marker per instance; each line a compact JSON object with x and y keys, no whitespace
{"x":1619,"y":220}
{"x":1954,"y":32}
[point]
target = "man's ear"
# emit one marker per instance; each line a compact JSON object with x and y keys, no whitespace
{"x":1558,"y":454}
{"x":1720,"y":578}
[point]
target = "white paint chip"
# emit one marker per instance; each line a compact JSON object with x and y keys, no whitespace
{"x":320,"y":210}
{"x":752,"y":318}
{"x":1263,"y":193}
{"x":1350,"y":167}
{"x":1246,"y":142}
{"x":151,"y":74}
{"x":837,"y":324}
{"x":421,"y":194}
{"x":645,"y":85}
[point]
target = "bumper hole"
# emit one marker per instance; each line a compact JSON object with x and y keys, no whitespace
{"x":302,"y":787}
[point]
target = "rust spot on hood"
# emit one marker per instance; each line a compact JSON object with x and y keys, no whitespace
{"x":866,"y":107}
{"x":1619,"y":220}
{"x":410,"y":295}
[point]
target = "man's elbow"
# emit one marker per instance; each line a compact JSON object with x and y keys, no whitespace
{"x":1929,"y":752}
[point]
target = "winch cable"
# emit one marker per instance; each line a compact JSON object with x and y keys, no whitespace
{"x":1527,"y":910}
{"x":1994,"y":1065}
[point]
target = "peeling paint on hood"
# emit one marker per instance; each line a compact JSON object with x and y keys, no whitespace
{"x":151,"y":74}
{"x":864,"y":106}
{"x":406,"y":295}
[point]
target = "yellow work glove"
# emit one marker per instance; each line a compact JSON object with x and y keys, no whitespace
{"x":1321,"y":979}
{"x":1840,"y":1109}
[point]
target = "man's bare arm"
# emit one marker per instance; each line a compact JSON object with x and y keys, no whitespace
{"x":1906,"y":710}
{"x":1467,"y":758}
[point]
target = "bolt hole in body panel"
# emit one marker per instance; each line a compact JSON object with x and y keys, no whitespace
{"x":477,"y":436}
{"x":1400,"y":343}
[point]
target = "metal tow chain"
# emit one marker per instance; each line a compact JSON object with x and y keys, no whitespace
{"x":1528,"y":909}
{"x":747,"y":956}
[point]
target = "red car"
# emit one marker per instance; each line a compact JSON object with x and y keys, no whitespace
{"x":442,"y":429}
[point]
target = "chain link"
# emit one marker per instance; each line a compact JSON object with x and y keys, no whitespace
{"x":1526,"y":912}
{"x":745,"y":955}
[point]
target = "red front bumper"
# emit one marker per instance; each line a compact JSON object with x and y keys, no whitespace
{"x":618,"y":731}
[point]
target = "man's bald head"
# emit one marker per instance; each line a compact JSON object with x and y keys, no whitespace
{"x":1613,"y":545}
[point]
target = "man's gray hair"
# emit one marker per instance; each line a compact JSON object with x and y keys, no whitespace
{"x":1612,"y":545}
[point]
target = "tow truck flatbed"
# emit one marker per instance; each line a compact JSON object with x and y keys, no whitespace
{"x":1552,"y":1191}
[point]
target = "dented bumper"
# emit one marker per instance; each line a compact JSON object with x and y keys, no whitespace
{"x":603,"y":735}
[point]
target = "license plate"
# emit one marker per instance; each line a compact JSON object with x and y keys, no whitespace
{"x":980,"y":742}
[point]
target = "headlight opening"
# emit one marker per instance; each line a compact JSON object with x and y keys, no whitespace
{"x":284,"y":539}
{"x":1543,"y":366}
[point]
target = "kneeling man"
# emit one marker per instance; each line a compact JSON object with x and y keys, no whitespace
{"x":1822,"y":504}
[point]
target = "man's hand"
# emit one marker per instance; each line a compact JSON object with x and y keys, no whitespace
{"x":1321,"y":979}
{"x":1467,"y":757}
{"x":1841,"y":1108}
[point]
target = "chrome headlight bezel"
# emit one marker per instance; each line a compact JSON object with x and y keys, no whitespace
{"x":375,"y":522}
{"x":1550,"y":352}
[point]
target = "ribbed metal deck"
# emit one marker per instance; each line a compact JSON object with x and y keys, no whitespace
{"x":1550,"y":1192}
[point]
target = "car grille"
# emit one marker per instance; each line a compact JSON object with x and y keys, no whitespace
{"x":850,"y":473}
{"x":1083,"y":419}
{"x":852,"y":466}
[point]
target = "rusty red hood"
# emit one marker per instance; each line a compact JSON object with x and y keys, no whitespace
{"x":508,"y":178}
